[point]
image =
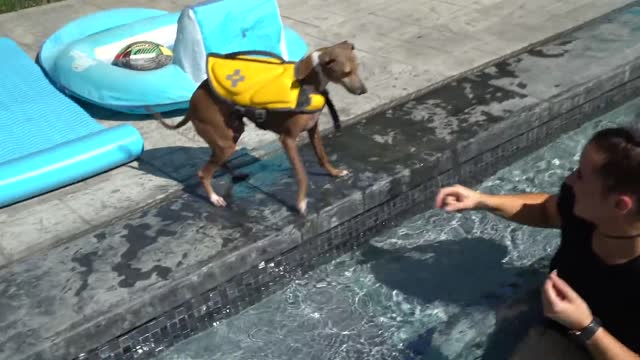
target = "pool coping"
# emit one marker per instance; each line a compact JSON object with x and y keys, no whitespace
{"x":336,"y":230}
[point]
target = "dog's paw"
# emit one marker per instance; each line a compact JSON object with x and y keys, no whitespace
{"x":217,"y":200}
{"x":302,"y":207}
{"x":340,"y":172}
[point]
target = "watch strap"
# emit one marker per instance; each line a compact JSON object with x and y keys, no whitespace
{"x":585,"y":334}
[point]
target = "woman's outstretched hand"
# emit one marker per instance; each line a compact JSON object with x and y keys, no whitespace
{"x":458,"y":198}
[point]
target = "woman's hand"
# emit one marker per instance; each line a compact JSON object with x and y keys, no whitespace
{"x":458,"y":198}
{"x":562,"y":304}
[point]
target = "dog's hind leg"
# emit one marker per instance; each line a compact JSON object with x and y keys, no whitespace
{"x":236,"y":124}
{"x":218,"y":158}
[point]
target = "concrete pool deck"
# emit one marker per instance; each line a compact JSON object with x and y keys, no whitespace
{"x":405,"y":49}
{"x":175,"y":265}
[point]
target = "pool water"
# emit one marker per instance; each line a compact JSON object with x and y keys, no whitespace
{"x":434,"y":287}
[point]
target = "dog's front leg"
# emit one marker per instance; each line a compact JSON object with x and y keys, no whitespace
{"x":318,"y":148}
{"x":291,"y":148}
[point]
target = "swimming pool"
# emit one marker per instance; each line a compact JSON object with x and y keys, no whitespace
{"x":436,"y":286}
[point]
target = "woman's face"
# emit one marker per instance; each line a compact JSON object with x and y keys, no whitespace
{"x":592,"y":203}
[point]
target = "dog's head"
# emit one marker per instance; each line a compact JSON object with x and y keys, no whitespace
{"x":337,"y":64}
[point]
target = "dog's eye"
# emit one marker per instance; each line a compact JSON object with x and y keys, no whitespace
{"x":328,"y":61}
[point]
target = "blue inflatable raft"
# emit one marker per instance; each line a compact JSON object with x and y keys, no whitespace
{"x":77,"y":58}
{"x":48,"y":141}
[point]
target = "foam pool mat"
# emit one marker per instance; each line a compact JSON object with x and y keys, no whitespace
{"x":49,"y":141}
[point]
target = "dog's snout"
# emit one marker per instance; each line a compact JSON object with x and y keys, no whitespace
{"x":354,"y":85}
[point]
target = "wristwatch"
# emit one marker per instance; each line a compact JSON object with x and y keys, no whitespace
{"x":586,"y":333}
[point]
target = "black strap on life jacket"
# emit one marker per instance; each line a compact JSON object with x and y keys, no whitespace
{"x":332,"y":110}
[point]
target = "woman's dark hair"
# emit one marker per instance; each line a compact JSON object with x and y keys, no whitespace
{"x":621,"y":168}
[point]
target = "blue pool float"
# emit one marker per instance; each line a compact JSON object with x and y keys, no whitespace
{"x":77,"y":58}
{"x":49,"y":141}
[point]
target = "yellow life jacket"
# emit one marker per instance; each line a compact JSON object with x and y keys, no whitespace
{"x":264,"y":83}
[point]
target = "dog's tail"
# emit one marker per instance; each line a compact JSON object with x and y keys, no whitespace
{"x":180,"y":124}
{"x":333,"y":111}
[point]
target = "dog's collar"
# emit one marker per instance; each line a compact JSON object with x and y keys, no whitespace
{"x":315,"y":60}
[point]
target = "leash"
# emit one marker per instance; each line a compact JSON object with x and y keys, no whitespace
{"x":332,"y":110}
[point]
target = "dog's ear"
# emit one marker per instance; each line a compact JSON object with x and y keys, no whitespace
{"x":348,"y":44}
{"x":303,"y":68}
{"x":326,"y":58}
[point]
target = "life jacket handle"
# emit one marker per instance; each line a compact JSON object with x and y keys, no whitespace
{"x":270,"y":54}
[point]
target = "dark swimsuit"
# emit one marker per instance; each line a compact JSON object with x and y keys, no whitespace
{"x":611,"y":291}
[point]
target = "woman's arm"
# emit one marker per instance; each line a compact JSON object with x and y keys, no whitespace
{"x":538,"y":210}
{"x":603,"y":346}
{"x":562,"y":304}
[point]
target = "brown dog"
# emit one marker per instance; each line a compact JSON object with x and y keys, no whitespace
{"x":214,"y":120}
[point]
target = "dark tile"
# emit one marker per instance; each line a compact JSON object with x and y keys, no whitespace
{"x":145,"y":340}
{"x":183,"y":325}
{"x":164,"y":333}
{"x":124,"y":342}
{"x":173,"y":327}
{"x":156,"y":337}
{"x":156,"y":324}
{"x":180,"y":311}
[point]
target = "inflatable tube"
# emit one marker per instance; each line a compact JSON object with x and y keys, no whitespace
{"x":48,"y":141}
{"x":77,"y":57}
{"x":67,"y":163}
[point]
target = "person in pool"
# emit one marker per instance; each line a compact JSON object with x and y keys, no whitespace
{"x":592,"y":294}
